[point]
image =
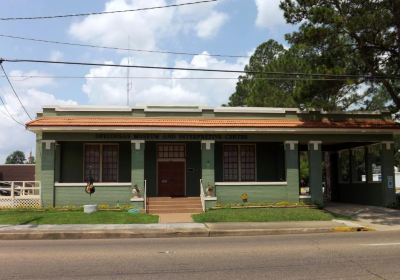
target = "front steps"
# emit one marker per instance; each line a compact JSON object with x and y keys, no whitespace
{"x":159,"y":205}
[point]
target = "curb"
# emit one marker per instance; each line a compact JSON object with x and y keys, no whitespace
{"x":115,"y":234}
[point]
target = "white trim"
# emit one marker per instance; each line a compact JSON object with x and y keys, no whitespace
{"x":315,"y":144}
{"x":251,"y":183}
{"x":174,"y":109}
{"x":210,"y":198}
{"x":108,"y":184}
{"x":263,"y":110}
{"x":208,"y":143}
{"x":304,"y":196}
{"x":291,"y":144}
{"x":137,"y":143}
{"x":48,"y":143}
{"x":137,"y":199}
{"x":209,"y":129}
{"x":89,"y":108}
{"x":388,"y":144}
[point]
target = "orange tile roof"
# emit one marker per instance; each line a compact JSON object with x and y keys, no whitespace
{"x":207,"y":123}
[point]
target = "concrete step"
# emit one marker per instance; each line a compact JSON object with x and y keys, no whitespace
{"x":186,"y":210}
{"x":168,"y":203}
{"x":162,"y":198}
{"x":173,"y":206}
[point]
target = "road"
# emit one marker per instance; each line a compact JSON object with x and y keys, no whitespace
{"x":367,"y":255}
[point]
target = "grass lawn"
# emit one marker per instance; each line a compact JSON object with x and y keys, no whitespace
{"x":22,"y":217}
{"x":265,"y":215}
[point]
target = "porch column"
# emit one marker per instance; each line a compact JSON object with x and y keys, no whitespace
{"x":315,"y":160}
{"x":137,"y":164}
{"x":388,"y":184}
{"x":48,"y":148}
{"x":207,"y":163}
{"x":292,"y":170}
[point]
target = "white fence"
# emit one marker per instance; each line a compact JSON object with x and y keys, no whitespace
{"x":20,"y":194}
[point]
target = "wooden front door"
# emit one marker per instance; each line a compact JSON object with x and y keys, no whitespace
{"x":171,"y":178}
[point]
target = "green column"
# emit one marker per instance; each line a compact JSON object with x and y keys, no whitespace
{"x":57,"y":163}
{"x":47,"y":172}
{"x":388,"y":184}
{"x":292,"y":170}
{"x":137,"y":164}
{"x":207,"y":163}
{"x":315,"y":167}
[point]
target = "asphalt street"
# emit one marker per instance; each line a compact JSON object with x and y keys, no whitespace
{"x":361,"y":255}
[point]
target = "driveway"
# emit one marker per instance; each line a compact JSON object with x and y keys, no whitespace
{"x":378,"y":218}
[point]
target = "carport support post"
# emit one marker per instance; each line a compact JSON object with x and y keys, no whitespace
{"x":292,"y":170}
{"x":137,"y":164}
{"x":315,"y":165}
{"x":207,"y":163}
{"x":388,"y":184}
{"x":47,"y":172}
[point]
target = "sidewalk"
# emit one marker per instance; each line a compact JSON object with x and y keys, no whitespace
{"x":31,"y":232}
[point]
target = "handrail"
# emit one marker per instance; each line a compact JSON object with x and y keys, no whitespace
{"x":202,"y":196}
{"x":145,"y":196}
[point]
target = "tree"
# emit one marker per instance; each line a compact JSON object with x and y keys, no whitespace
{"x":259,"y":88}
{"x":363,"y":36}
{"x":16,"y":157}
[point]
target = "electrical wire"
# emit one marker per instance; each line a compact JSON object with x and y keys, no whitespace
{"x":13,"y":89}
{"x":296,"y":74}
{"x":9,"y":115}
{"x":25,"y":77}
{"x":110,"y":12}
{"x":122,"y":49}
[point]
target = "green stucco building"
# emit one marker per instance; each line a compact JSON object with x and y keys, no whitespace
{"x":271,"y":154}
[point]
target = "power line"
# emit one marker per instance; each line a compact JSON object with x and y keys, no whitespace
{"x":110,"y":12}
{"x":121,"y":49}
{"x":296,"y":74}
{"x":9,"y":115}
{"x":13,"y":89}
{"x":25,"y":77}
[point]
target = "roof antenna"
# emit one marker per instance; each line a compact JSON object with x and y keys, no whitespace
{"x":128,"y":78}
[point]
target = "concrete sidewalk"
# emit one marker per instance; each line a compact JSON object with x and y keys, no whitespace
{"x":31,"y":232}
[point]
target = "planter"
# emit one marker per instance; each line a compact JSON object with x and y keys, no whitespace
{"x":89,"y":208}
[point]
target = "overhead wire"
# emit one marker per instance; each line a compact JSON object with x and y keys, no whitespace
{"x":109,"y":12}
{"x":8,"y":113}
{"x":14,"y":91}
{"x":122,"y":49}
{"x":295,"y":74}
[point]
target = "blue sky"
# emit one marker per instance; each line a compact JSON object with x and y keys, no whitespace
{"x":226,"y":26}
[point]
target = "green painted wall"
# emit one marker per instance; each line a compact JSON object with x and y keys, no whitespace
{"x":315,"y":162}
{"x":292,"y":172}
{"x":388,"y":188}
{"x":150,"y":168}
{"x":231,"y":194}
{"x":208,"y":165}
{"x":47,"y":175}
{"x":76,"y":196}
{"x":137,"y":166}
{"x":124,"y":174}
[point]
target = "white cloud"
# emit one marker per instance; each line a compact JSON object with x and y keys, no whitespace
{"x":209,"y":27}
{"x":14,"y":136}
{"x":269,"y":14}
{"x":146,"y":29}
{"x":212,"y":92}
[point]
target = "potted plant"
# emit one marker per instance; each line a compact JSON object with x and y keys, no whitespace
{"x":244,"y":197}
{"x":209,"y":191}
{"x":135,"y":192}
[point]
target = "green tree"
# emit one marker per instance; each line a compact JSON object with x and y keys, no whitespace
{"x":16,"y":157}
{"x":362,"y":36}
{"x":260,"y":88}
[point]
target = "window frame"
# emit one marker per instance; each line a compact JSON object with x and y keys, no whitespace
{"x":101,"y":160}
{"x":239,"y":161}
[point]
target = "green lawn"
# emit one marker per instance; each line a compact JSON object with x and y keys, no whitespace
{"x":22,"y":217}
{"x":264,"y":215}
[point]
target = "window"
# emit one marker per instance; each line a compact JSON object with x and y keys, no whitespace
{"x":101,"y":162}
{"x":171,"y":151}
{"x":374,"y":154}
{"x":344,"y":166}
{"x":239,"y":162}
{"x":358,"y":161}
